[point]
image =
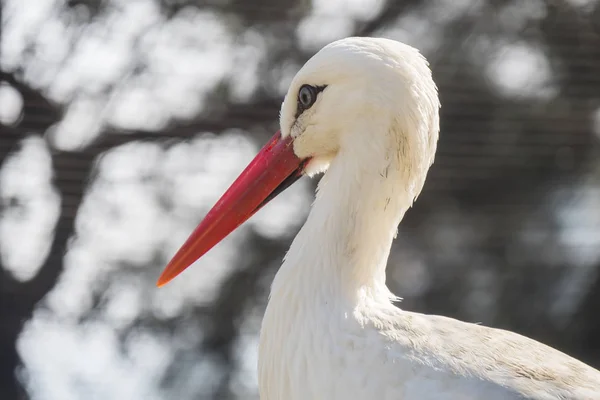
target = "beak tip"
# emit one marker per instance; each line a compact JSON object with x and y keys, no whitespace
{"x":163,"y":279}
{"x":160,"y":283}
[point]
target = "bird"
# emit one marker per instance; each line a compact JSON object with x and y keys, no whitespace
{"x":364,"y":113}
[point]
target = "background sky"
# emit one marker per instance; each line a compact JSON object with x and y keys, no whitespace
{"x":123,"y":121}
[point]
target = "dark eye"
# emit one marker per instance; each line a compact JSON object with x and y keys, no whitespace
{"x":307,"y":96}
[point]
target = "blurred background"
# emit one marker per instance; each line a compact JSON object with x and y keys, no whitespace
{"x":123,"y":121}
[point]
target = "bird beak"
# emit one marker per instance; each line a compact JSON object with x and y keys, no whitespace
{"x":273,"y":170}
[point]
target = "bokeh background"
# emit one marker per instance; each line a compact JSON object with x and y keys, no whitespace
{"x":122,"y":121}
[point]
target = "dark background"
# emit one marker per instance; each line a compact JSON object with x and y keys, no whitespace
{"x":123,"y":121}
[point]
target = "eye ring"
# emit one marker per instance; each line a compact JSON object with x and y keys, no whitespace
{"x":307,"y":95}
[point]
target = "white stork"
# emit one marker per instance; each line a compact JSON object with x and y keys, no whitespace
{"x":366,"y":111}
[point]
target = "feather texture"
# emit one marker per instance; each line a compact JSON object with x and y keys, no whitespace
{"x":330,"y":330}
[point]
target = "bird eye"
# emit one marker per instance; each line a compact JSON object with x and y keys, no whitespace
{"x":307,"y":96}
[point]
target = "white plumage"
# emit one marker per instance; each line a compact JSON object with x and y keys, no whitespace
{"x":330,"y":330}
{"x":366,"y":111}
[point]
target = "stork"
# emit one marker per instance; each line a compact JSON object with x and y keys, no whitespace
{"x":366,"y":112}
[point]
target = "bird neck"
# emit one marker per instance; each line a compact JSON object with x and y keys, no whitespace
{"x":345,"y":243}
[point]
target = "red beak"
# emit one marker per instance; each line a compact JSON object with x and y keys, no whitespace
{"x":273,"y":170}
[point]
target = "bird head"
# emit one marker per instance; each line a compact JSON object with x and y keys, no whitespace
{"x":360,"y":95}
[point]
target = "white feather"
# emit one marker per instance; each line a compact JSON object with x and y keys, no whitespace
{"x":330,"y":330}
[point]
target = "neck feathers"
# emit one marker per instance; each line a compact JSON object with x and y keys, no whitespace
{"x":345,"y":242}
